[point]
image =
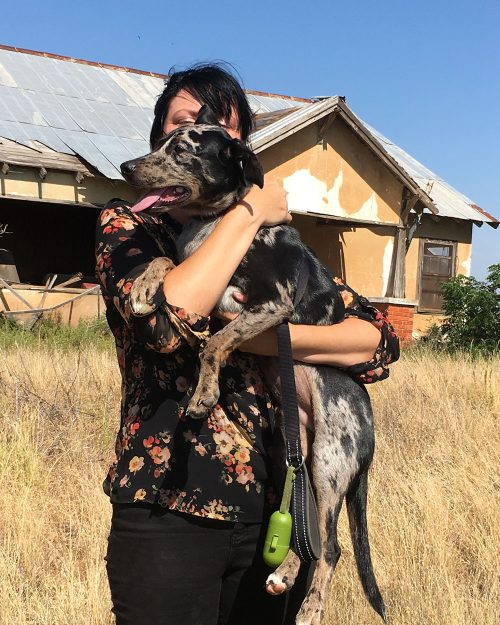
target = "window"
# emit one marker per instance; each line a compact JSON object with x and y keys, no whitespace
{"x":437,"y":265}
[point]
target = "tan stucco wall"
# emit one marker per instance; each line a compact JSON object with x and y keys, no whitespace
{"x":340,"y":176}
{"x":24,"y":183}
{"x":337,"y":176}
{"x":360,"y":255}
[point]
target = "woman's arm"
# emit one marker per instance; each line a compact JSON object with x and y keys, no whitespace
{"x":198,"y":282}
{"x":344,"y":344}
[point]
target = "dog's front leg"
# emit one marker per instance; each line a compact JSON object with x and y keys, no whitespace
{"x":146,"y":286}
{"x":248,"y":324}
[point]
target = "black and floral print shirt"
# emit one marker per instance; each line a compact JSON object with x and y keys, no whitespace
{"x":217,"y":467}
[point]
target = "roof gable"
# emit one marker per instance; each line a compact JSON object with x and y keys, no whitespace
{"x":436,"y":195}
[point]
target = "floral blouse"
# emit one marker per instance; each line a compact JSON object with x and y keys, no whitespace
{"x":216,"y":467}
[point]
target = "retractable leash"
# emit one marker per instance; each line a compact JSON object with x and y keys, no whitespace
{"x":304,"y":518}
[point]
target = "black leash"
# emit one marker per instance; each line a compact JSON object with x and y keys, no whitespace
{"x":304,"y":513}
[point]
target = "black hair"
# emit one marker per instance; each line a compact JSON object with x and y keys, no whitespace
{"x":210,"y":83}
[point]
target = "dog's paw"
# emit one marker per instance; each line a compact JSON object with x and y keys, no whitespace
{"x":276,"y":585}
{"x":201,"y":403}
{"x":283,"y":578}
{"x":141,"y":302}
{"x":146,"y":286}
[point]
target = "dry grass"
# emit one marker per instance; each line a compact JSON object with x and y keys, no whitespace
{"x":434,"y":505}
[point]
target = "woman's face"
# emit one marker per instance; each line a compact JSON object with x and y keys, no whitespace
{"x":184,"y":109}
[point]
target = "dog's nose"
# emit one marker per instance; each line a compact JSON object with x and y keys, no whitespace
{"x":128,"y":167}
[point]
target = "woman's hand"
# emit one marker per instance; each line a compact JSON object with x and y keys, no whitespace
{"x":267,"y":206}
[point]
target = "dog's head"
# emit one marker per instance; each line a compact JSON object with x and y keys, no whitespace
{"x":198,"y":167}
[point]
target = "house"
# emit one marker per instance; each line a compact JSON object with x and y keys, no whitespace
{"x":374,"y":215}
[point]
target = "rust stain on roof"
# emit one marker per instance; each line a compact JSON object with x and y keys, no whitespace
{"x":60,"y":57}
{"x":265,"y":119}
{"x":483,"y":212}
{"x":71,"y":59}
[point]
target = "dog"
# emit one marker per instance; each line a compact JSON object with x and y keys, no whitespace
{"x":203,"y":170}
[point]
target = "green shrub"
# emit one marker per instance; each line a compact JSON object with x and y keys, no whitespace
{"x":472,"y":310}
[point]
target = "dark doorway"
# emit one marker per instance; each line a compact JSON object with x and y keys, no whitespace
{"x":48,"y":238}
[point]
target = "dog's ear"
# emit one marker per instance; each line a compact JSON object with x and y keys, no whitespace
{"x":207,"y":116}
{"x":249,"y":163}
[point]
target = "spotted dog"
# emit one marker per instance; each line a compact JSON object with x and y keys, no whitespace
{"x":203,"y":170}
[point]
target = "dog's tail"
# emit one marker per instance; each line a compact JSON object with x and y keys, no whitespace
{"x":356,"y":500}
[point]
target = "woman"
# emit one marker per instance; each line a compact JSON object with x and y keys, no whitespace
{"x":190,"y":497}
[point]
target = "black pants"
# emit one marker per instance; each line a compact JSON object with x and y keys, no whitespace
{"x":167,"y":568}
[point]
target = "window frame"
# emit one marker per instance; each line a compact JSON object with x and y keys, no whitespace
{"x":423,"y":241}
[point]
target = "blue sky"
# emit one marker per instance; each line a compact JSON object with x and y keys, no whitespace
{"x":426,"y":74}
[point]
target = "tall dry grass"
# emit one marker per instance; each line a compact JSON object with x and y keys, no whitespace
{"x":433,"y":509}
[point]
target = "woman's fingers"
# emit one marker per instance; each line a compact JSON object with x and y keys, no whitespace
{"x":269,"y":204}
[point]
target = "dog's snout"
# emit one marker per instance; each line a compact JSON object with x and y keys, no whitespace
{"x":128,"y":167}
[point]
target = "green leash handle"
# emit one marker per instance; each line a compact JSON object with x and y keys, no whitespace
{"x":279,"y":531}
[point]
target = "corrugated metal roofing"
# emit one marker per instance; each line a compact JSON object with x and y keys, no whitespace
{"x":296,"y":120}
{"x":99,"y":113}
{"x":450,"y":202}
{"x":103,"y":114}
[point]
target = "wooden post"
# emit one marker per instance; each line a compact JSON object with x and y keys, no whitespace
{"x":397,"y":280}
{"x":398,"y":289}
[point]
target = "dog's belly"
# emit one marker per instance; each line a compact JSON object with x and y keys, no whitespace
{"x":304,"y":397}
{"x":270,"y":367}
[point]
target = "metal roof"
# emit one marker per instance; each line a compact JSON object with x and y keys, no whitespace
{"x":450,"y":202}
{"x":100,"y":113}
{"x":290,"y":123}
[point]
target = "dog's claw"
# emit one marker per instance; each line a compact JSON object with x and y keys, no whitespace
{"x":197,"y":409}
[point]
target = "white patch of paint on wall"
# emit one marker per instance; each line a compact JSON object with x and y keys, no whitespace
{"x":305,"y":192}
{"x":386,"y":265}
{"x":332,"y":197}
{"x":308,"y":193}
{"x":369,"y":210}
{"x":465,"y":264}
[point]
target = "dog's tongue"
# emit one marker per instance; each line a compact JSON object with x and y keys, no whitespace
{"x":168,"y":194}
{"x":146,"y":201}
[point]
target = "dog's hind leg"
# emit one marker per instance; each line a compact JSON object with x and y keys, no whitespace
{"x":311,"y":610}
{"x":248,"y":324}
{"x":335,"y":465}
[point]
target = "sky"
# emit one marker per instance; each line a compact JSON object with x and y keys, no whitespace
{"x":426,"y":73}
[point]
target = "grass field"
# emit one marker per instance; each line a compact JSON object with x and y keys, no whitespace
{"x":434,"y":491}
